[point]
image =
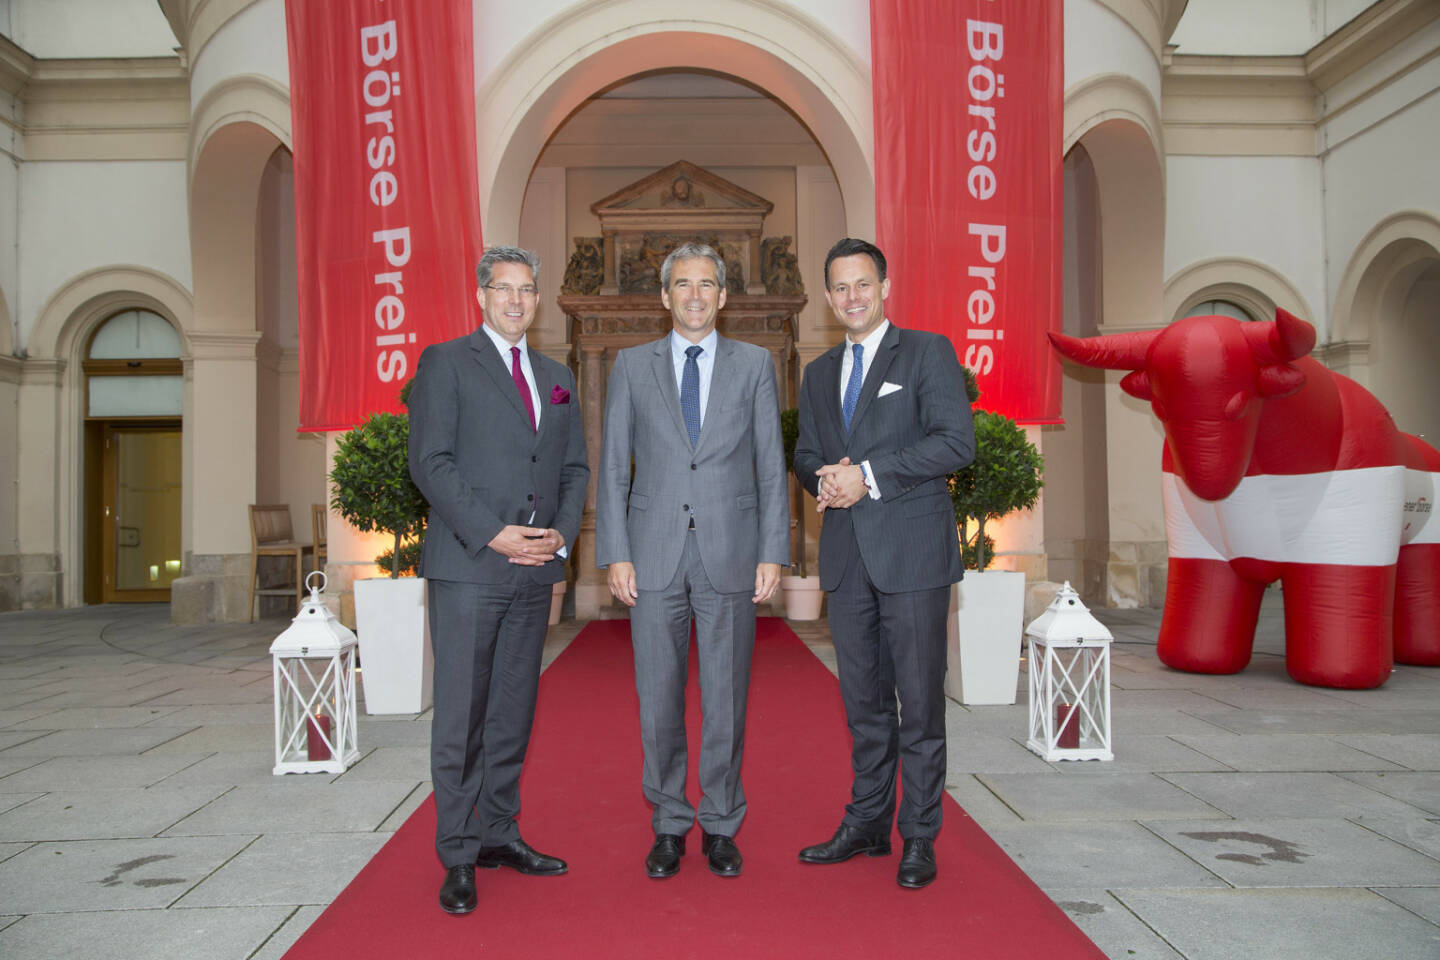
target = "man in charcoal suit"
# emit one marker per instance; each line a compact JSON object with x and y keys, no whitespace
{"x":883,"y":419}
{"x":498,"y":449}
{"x":701,"y":531}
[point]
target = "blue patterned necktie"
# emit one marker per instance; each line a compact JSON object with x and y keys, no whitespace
{"x":852,"y":387}
{"x":690,"y":394}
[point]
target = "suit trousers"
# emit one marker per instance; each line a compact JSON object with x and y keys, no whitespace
{"x":725,"y":638}
{"x":488,"y":640}
{"x":889,"y":644}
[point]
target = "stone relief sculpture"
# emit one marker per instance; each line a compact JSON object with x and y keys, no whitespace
{"x":681,"y":193}
{"x":586,"y":269}
{"x":779,"y":268}
{"x":641,"y":258}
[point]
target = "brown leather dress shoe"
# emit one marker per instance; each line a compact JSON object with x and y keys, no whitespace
{"x":457,"y":893}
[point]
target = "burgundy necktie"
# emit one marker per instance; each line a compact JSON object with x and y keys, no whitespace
{"x":522,"y":384}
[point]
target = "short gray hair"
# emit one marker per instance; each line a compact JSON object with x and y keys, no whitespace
{"x":493,"y":255}
{"x":692,"y":251}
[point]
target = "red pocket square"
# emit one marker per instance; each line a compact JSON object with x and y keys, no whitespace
{"x":559,"y":395}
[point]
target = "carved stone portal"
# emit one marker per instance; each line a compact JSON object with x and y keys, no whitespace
{"x":616,"y":303}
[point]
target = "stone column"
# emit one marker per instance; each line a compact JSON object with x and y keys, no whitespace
{"x":610,"y":282}
{"x":44,"y":523}
{"x":220,"y":439}
{"x":754,"y":282}
{"x":591,"y":589}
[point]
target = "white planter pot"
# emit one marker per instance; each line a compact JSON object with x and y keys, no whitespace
{"x":396,"y":661}
{"x":557,"y":601}
{"x":803,"y":597}
{"x":986,"y":624}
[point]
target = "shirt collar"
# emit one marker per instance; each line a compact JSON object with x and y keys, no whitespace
{"x":503,"y":345}
{"x":872,"y":342}
{"x":679,"y":343}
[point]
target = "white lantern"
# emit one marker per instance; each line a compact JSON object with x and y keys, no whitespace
{"x":314,"y":660}
{"x":1069,"y":658}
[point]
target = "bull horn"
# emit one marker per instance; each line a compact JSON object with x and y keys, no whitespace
{"x":1115,"y":351}
{"x":1287,"y":338}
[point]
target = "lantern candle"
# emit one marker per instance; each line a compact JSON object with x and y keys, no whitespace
{"x":316,"y":734}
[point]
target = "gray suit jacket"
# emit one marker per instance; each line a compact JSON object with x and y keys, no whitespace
{"x":478,"y":462}
{"x":734,"y":479}
{"x":912,"y":437}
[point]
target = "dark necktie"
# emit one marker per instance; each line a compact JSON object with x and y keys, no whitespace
{"x":690,"y":394}
{"x":852,"y":387}
{"x":522,"y":384}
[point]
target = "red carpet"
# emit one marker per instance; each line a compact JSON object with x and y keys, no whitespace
{"x":581,"y":792}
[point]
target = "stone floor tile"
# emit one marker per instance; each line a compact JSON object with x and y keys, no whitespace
{"x":218,"y":694}
{"x":95,"y":742}
{"x":288,"y":868}
{"x":83,"y":773}
{"x":1297,"y":721}
{"x":405,"y":808}
{"x":92,"y":814}
{"x":284,"y":938}
{"x":1111,"y":927}
{"x":979,"y":803}
{"x":1424,"y":902}
{"x":1052,"y":797}
{"x":1098,"y":855}
{"x":1187,"y":700}
{"x":1274,"y":796}
{"x":1167,"y":723}
{"x":227,"y":737}
{"x":8,"y":850}
{"x":1417,"y":833}
{"x":1141,"y":754}
{"x":10,"y":765}
{"x":224,"y":933}
{"x":1418,"y":751}
{"x":129,"y":697}
{"x":11,"y":739}
{"x":391,"y":763}
{"x":222,"y":714}
{"x":80,"y":876}
{"x":1336,"y":924}
{"x":1285,"y":751}
{"x":82,"y":718}
{"x":238,"y":768}
{"x":992,"y":754}
{"x":1417,"y":789}
{"x":388,"y":733}
{"x":17,"y":715}
{"x":295,"y":808}
{"x":1299,"y":853}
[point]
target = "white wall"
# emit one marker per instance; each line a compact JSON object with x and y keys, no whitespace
{"x":1259,"y":208}
{"x":87,"y":28}
{"x":253,"y":42}
{"x":1099,"y":42}
{"x":1261,"y":27}
{"x":78,"y":216}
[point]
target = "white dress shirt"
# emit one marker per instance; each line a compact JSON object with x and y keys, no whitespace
{"x":867,"y":359}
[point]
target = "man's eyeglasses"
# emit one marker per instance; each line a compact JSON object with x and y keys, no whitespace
{"x":505,"y":290}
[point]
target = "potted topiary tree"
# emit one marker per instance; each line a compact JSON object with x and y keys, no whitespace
{"x":988,"y":606}
{"x":373,"y":492}
{"x":802,"y":593}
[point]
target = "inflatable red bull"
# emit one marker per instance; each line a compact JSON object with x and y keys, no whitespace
{"x":1277,"y":469}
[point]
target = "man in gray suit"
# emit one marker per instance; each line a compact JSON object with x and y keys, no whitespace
{"x":883,"y":419}
{"x":498,"y":449}
{"x":701,"y":531}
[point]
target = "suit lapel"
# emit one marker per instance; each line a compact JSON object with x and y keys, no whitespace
{"x":663,"y":367}
{"x":723,"y":386}
{"x":499,"y":372}
{"x":829,"y":378}
{"x":889,"y":346}
{"x":545,"y":382}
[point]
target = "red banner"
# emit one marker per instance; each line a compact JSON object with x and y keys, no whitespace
{"x":387,"y":213}
{"x":969,"y":99}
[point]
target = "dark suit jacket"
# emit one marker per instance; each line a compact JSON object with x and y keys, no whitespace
{"x":474,"y":456}
{"x":913,"y":436}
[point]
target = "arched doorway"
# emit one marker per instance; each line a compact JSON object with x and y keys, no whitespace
{"x":133,"y":398}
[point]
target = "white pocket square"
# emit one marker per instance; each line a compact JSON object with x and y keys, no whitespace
{"x":888,"y":388}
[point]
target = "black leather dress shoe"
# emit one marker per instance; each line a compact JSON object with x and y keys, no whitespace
{"x":847,"y":842}
{"x":917,"y":863}
{"x":519,"y":855}
{"x":722,"y":855}
{"x":664,"y":858}
{"x":457,"y":893}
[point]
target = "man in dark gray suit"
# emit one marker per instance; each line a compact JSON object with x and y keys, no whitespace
{"x":883,"y":419}
{"x":701,"y":531}
{"x":498,"y":449}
